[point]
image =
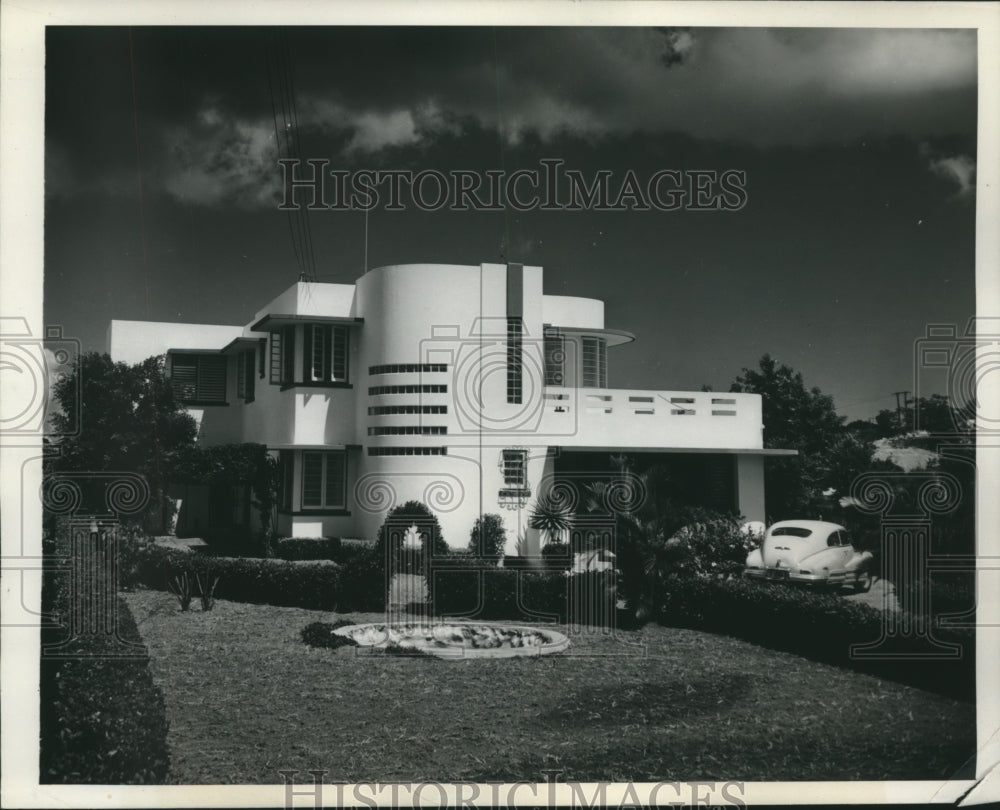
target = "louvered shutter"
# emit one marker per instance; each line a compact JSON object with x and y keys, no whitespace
{"x":276,"y":357}
{"x":307,"y":353}
{"x":184,"y":376}
{"x":250,"y":383}
{"x":287,"y":354}
{"x":211,"y":379}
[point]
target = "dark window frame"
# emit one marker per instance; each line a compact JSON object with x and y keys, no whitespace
{"x":200,"y":365}
{"x":325,"y":458}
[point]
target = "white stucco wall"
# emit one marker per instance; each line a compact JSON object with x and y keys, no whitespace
{"x":312,"y":298}
{"x":571,"y":311}
{"x":133,"y":341}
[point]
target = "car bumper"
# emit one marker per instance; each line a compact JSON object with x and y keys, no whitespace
{"x":790,"y":575}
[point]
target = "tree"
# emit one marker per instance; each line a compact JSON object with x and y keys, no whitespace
{"x":935,"y":414}
{"x":488,"y":538}
{"x":803,"y":419}
{"x":129,"y":421}
{"x":390,"y":543}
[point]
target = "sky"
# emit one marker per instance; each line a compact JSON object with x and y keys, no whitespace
{"x":858,"y":147}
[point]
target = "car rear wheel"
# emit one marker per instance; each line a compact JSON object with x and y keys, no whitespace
{"x":863,"y":583}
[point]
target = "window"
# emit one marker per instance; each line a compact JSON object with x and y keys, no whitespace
{"x":275,"y":358}
{"x":407,"y":451}
{"x":199,"y":378}
{"x":324,"y":355}
{"x":407,"y":368}
{"x":515,"y":372}
{"x":376,"y":390}
{"x":408,"y":430}
{"x":791,"y":531}
{"x":387,"y":410}
{"x":838,"y":539}
{"x":324,"y":480}
{"x":595,"y":363}
{"x":282,"y":355}
{"x":245,"y":375}
{"x":515,"y":468}
{"x":555,"y":359}
{"x":286,"y":460}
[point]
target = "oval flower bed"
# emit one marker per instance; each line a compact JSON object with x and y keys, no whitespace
{"x":459,"y":639}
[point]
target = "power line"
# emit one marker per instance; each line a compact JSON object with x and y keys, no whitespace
{"x":281,"y":88}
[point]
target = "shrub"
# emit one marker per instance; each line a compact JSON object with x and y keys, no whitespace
{"x":713,"y":544}
{"x":820,"y":626}
{"x":307,"y":548}
{"x":180,"y":586}
{"x":951,"y":592}
{"x":524,"y":595}
{"x":312,"y":585}
{"x":206,"y":591}
{"x":557,"y":556}
{"x":350,"y":553}
{"x":551,"y":516}
{"x":359,"y":584}
{"x":389,"y":545}
{"x":102,"y":719}
{"x":488,"y":538}
{"x":320,"y":634}
{"x":364,"y":585}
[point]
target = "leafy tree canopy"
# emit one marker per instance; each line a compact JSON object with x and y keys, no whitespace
{"x":804,"y":419}
{"x":129,"y":420}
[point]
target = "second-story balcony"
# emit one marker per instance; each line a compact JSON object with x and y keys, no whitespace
{"x":606,"y":417}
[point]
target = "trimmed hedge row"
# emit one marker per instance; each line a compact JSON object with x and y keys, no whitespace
{"x":487,"y":593}
{"x":307,"y":548}
{"x":522,"y":595}
{"x":314,"y":585}
{"x":816,"y":625}
{"x":102,"y":720}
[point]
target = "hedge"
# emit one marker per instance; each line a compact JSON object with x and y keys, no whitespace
{"x":361,"y":585}
{"x":313,"y":585}
{"x":820,"y":626}
{"x":307,"y":548}
{"x":522,"y":595}
{"x":102,"y":720}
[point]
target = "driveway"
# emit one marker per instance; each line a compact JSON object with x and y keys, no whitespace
{"x":882,"y":595}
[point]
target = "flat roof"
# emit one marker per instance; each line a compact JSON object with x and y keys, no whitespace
{"x":270,"y":322}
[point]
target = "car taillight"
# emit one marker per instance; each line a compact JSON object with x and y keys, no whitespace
{"x":805,"y":571}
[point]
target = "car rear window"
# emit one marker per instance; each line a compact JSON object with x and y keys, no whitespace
{"x":793,"y":531}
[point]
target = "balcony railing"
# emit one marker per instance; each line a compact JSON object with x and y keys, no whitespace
{"x":602,"y":416}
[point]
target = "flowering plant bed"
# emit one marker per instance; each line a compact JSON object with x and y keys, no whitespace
{"x":459,"y":639}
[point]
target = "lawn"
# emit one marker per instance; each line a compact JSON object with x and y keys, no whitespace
{"x":246,"y":698}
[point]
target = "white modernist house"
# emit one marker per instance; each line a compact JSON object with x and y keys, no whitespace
{"x":462,"y":386}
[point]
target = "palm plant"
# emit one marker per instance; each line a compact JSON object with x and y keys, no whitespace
{"x":550,"y":516}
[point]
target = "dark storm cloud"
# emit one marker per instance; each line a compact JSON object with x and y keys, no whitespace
{"x":203,"y":97}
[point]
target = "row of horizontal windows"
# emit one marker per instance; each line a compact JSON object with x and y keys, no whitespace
{"x":388,"y":410}
{"x":407,"y":451}
{"x":408,"y":430}
{"x":405,"y":368}
{"x":408,"y":389}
